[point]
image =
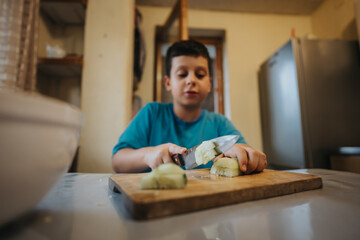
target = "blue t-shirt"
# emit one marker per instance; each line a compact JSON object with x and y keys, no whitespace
{"x":156,"y":124}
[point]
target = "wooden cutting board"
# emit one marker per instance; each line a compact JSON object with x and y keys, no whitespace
{"x":205,"y":190}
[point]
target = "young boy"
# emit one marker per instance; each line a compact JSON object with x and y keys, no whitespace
{"x":160,"y":130}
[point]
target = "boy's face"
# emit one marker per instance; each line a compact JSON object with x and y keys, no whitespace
{"x":189,"y":81}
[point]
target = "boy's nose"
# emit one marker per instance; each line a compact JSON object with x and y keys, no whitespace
{"x":190,"y":82}
{"x":191,"y":79}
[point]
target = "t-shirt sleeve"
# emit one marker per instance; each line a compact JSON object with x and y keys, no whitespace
{"x":226,"y":127}
{"x":136,"y":134}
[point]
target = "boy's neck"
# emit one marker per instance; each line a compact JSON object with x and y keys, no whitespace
{"x":187,"y":114}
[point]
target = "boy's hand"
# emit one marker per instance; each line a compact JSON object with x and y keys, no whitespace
{"x":161,"y":154}
{"x":250,"y":160}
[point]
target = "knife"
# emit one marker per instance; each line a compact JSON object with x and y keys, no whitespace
{"x":188,"y":159}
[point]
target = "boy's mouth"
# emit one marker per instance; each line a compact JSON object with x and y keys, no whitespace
{"x":191,"y":93}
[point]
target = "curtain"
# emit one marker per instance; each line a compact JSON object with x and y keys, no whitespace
{"x":18,"y":44}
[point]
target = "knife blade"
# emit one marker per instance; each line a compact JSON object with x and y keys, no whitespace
{"x":188,"y":159}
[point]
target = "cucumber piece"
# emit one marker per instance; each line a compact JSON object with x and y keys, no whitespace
{"x":169,"y":168}
{"x":165,"y":176}
{"x":149,"y":181}
{"x":227,"y":167}
{"x":205,"y":152}
{"x":172,"y":181}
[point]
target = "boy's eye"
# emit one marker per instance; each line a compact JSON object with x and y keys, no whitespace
{"x":182,"y":74}
{"x":200,"y":76}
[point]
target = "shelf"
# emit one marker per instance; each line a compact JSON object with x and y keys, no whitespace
{"x":64,"y":11}
{"x":70,"y":66}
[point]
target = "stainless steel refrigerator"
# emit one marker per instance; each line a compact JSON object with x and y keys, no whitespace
{"x":310,"y":102}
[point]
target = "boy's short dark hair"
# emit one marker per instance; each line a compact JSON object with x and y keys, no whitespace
{"x":185,"y":48}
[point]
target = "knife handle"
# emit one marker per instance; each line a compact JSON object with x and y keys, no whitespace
{"x":178,"y":159}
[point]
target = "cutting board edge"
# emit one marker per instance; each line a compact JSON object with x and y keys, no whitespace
{"x":140,"y":200}
{"x":146,"y":211}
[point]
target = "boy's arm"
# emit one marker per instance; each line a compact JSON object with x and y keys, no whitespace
{"x":129,"y":160}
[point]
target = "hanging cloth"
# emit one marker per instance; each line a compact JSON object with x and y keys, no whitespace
{"x":139,"y":50}
{"x":18,"y":44}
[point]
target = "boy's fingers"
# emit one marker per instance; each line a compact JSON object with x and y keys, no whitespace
{"x":242,"y":157}
{"x":253,"y":163}
{"x":218,"y":157}
{"x":262,"y":163}
{"x":175,"y":149}
{"x":250,"y":160}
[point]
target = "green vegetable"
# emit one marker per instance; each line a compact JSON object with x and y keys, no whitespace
{"x":227,"y":167}
{"x":165,"y":176}
{"x":206,"y":151}
{"x":149,"y":181}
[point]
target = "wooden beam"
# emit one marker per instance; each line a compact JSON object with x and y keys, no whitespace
{"x":158,"y":66}
{"x":170,"y":20}
{"x":158,"y":77}
{"x":184,"y":26}
{"x":219,"y":77}
{"x":178,"y":11}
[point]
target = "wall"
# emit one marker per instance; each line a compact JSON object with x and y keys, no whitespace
{"x":335,"y":19}
{"x":250,"y":39}
{"x":107,"y":81}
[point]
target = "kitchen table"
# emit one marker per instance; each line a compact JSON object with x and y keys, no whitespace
{"x":81,"y":206}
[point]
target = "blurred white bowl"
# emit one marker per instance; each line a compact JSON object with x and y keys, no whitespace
{"x":38,"y":140}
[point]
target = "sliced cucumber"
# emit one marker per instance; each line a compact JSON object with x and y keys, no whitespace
{"x":227,"y":167}
{"x":169,"y":168}
{"x":172,"y":181}
{"x":165,"y":176}
{"x":149,"y":181}
{"x":205,"y":152}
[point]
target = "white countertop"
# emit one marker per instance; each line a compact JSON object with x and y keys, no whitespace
{"x":81,"y":206}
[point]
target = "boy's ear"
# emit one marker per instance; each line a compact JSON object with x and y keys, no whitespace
{"x":167,"y":83}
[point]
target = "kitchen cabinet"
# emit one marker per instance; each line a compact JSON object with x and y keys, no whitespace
{"x":69,"y":66}
{"x":62,"y":23}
